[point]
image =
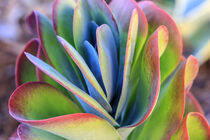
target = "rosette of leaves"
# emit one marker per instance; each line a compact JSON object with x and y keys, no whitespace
{"x":105,"y":72}
{"x":192,"y":17}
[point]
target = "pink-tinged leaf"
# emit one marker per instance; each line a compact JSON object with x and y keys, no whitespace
{"x":191,"y":72}
{"x":35,"y":101}
{"x":144,"y":93}
{"x":193,"y":127}
{"x":107,"y":51}
{"x":26,"y":132}
{"x":169,"y":110}
{"x":192,"y":104}
{"x":25,"y":71}
{"x":89,"y":104}
{"x":122,"y":9}
{"x":51,"y":48}
{"x":77,"y":127}
{"x":77,"y":58}
{"x":156,"y":17}
{"x":63,"y":11}
{"x":87,"y":11}
{"x":131,"y":42}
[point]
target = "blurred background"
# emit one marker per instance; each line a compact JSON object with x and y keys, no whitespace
{"x":192,"y":17}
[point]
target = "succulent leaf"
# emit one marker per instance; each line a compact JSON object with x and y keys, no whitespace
{"x":106,"y":72}
{"x":193,"y":127}
{"x":172,"y":55}
{"x":131,"y":42}
{"x":51,"y":47}
{"x":107,"y":51}
{"x":25,"y":71}
{"x":77,"y":126}
{"x":123,"y":14}
{"x":169,"y":110}
{"x":88,"y":103}
{"x":83,"y":15}
{"x":26,"y":132}
{"x":99,"y":95}
{"x":63,"y":12}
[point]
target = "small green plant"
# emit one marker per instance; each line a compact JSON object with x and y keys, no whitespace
{"x":105,"y":72}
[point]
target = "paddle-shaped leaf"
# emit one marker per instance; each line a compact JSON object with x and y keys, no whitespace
{"x":107,"y":51}
{"x":131,"y":42}
{"x":63,"y":11}
{"x":88,"y":103}
{"x":25,"y":71}
{"x":145,"y":82}
{"x":30,"y":133}
{"x":169,"y":110}
{"x":51,"y":47}
{"x":193,"y":127}
{"x":35,"y":100}
{"x":157,"y":17}
{"x":77,"y":127}
{"x":77,"y":58}
{"x":87,"y":11}
{"x":123,"y":15}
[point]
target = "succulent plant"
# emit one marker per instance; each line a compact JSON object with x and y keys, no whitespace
{"x":105,"y":72}
{"x":192,"y":17}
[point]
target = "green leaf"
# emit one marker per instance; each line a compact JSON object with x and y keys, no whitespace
{"x":51,"y":48}
{"x":123,"y":15}
{"x":77,"y":58}
{"x":63,"y":12}
{"x":35,"y":101}
{"x":89,"y":104}
{"x":144,"y":83}
{"x":131,"y":42}
{"x":25,"y":71}
{"x":107,"y":51}
{"x":169,"y":110}
{"x":172,"y":55}
{"x":30,"y":133}
{"x":193,"y":127}
{"x":87,"y":11}
{"x":78,"y":127}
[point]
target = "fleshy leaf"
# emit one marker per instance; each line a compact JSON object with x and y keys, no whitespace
{"x":192,"y":105}
{"x":131,"y":42}
{"x":87,"y":11}
{"x":107,"y":51}
{"x":35,"y":100}
{"x":25,"y":71}
{"x":89,"y":104}
{"x":191,"y":72}
{"x":123,"y":14}
{"x":144,"y":82}
{"x":77,"y":127}
{"x":42,"y":76}
{"x":157,"y":17}
{"x":30,"y":133}
{"x":51,"y":47}
{"x":77,"y":58}
{"x":169,"y":110}
{"x":193,"y":127}
{"x":63,"y":11}
{"x":92,"y":60}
